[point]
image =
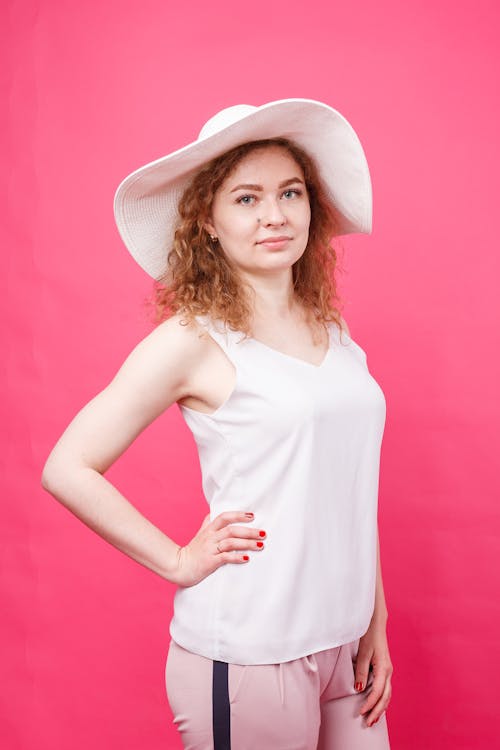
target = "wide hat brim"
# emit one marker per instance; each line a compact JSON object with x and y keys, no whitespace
{"x":145,"y":202}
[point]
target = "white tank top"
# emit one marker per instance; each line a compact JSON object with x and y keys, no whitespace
{"x":299,"y":445}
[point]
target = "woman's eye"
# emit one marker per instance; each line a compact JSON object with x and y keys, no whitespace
{"x":245,"y":199}
{"x":248,"y":200}
{"x":292,"y":192}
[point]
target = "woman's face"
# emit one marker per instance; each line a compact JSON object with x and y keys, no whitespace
{"x":267,"y":184}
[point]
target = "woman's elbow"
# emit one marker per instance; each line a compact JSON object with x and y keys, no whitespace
{"x":55,"y":472}
{"x":49,"y":475}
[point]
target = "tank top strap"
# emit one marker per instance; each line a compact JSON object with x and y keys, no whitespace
{"x":222,"y":335}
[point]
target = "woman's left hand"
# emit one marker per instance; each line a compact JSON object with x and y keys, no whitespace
{"x":373,"y":649}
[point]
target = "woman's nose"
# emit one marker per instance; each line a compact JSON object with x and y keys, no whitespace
{"x":272,"y":213}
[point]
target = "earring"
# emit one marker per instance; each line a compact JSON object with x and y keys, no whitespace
{"x":213,"y":237}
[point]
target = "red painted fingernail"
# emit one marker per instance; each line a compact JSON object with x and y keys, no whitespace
{"x":262,"y":533}
{"x":358,"y":686}
{"x":378,"y":717}
{"x":245,"y":557}
{"x":250,"y":515}
{"x":260,"y":544}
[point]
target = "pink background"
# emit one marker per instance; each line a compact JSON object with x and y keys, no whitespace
{"x":94,"y":90}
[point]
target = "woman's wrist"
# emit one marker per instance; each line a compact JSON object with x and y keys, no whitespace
{"x":171,"y":571}
{"x":380,"y":615}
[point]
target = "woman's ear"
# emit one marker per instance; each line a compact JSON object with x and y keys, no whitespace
{"x":209,"y":227}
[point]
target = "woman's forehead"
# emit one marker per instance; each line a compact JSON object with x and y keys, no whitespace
{"x":265,"y":162}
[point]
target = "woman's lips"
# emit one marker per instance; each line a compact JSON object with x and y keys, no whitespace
{"x":274,"y":243}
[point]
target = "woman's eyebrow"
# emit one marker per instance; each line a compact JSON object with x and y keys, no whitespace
{"x":259,"y":187}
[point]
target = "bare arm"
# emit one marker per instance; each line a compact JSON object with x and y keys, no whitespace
{"x":380,"y":609}
{"x":152,"y":378}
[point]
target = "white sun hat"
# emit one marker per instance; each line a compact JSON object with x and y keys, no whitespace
{"x":145,"y":202}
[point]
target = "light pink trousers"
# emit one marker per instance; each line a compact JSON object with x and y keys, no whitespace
{"x":306,"y":704}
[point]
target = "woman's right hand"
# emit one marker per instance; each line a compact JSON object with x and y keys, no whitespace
{"x":199,"y":558}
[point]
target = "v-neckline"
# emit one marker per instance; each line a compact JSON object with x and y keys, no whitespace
{"x":299,"y":359}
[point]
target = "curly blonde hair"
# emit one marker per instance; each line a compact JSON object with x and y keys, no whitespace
{"x":201,"y":280}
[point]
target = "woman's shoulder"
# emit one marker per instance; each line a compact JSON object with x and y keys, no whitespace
{"x":164,"y":360}
{"x":182,"y":334}
{"x":344,"y":326}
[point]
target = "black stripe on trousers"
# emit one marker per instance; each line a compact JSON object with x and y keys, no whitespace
{"x":221,"y":718}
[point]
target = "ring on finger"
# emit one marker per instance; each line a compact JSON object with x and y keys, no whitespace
{"x":219,"y":548}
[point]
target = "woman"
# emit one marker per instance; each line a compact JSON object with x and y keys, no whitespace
{"x":278,"y":638}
